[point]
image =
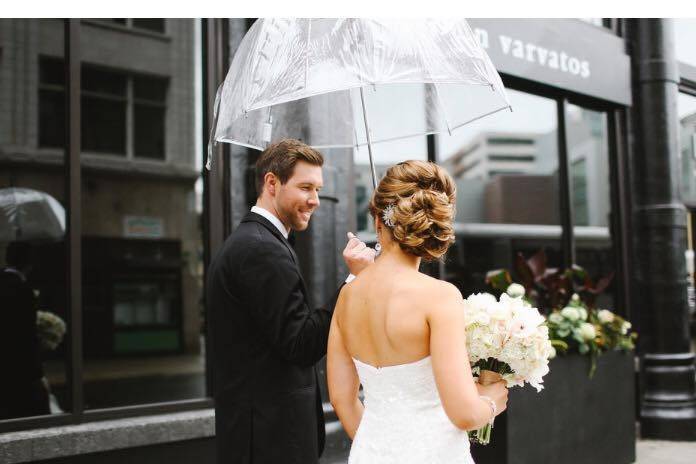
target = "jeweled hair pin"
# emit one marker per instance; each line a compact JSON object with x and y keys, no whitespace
{"x":388,"y":216}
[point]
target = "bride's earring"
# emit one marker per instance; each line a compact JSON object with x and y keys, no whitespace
{"x":378,"y":246}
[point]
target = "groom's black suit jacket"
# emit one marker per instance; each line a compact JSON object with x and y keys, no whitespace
{"x":266,"y":340}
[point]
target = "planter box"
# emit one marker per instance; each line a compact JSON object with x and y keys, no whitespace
{"x":573,"y":420}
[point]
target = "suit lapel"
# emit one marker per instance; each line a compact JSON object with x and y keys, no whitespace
{"x":253,"y":217}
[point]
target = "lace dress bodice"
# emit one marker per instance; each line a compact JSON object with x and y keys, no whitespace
{"x":404,"y":421}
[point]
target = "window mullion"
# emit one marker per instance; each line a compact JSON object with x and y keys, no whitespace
{"x":73,"y":232}
{"x":130,"y":148}
{"x":565,"y":187}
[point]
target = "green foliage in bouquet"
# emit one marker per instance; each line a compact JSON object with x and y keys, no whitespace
{"x":568,"y":298}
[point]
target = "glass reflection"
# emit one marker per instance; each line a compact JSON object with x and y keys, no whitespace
{"x":685,"y":36}
{"x":588,"y":157}
{"x":506,"y":170}
{"x":686,"y":109}
{"x":33,"y":300}
{"x":141,"y":219}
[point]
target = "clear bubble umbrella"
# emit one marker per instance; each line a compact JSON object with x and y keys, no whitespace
{"x":27,"y":214}
{"x":286,"y":69}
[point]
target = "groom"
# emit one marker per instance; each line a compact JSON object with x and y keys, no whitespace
{"x":265,"y":336}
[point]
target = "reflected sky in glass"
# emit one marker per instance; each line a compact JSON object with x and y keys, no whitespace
{"x":685,"y":32}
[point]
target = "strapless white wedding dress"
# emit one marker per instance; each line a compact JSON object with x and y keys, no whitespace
{"x":404,"y":421}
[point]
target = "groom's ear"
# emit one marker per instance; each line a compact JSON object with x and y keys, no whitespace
{"x":270,"y":183}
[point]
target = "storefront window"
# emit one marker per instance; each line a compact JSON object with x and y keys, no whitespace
{"x":588,"y":158}
{"x":506,"y":170}
{"x":141,"y":222}
{"x":34,"y":328}
{"x":685,"y":35}
{"x":686,"y":109}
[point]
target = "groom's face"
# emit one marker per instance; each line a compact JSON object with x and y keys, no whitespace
{"x":297,"y":199}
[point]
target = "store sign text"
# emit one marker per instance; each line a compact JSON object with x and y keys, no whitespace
{"x":535,"y":53}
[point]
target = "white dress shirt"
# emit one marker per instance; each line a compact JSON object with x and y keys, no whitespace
{"x":271,"y":217}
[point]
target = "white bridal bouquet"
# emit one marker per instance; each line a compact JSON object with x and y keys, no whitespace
{"x":506,"y":338}
{"x":50,"y":329}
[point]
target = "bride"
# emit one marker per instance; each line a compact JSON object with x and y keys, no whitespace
{"x":400,"y":334}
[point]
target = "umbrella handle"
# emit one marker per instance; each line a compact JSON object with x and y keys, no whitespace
{"x":369,"y":138}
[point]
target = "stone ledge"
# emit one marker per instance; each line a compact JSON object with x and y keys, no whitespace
{"x":93,"y":437}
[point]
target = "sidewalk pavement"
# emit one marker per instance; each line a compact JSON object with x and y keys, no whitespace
{"x":665,"y":452}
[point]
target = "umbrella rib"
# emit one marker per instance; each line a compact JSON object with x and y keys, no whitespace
{"x":309,"y":34}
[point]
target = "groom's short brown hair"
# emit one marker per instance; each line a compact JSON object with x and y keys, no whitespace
{"x":280,"y":159}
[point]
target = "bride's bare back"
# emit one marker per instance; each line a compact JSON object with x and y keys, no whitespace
{"x":382,"y":315}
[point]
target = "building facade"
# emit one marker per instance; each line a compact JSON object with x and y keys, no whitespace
{"x":594,"y":165}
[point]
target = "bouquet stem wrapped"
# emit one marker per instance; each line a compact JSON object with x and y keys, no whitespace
{"x":486,"y":377}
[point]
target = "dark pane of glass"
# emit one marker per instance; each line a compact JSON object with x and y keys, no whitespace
{"x":51,"y":118}
{"x":118,"y":20}
{"x":151,"y":24}
{"x":103,"y":125}
{"x":51,"y":71}
{"x":33,"y":295}
{"x":107,"y":82}
{"x":142,"y":246}
{"x":150,"y":88}
{"x":148,"y":128}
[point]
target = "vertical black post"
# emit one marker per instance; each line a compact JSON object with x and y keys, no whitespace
{"x":432,"y":156}
{"x":73,"y":221}
{"x":213,"y":180}
{"x":668,"y":399}
{"x":565,"y":186}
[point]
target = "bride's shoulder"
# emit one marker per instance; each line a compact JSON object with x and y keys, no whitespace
{"x":437,"y":290}
{"x":443,"y":297}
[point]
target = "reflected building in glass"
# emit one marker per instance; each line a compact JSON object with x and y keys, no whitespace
{"x":141,"y":221}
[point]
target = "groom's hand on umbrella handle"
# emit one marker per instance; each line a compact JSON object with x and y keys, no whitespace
{"x":357,"y":255}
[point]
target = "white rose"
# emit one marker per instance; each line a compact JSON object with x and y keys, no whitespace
{"x":575,"y":297}
{"x":555,"y":318}
{"x":583,"y":313}
{"x":570,"y":313}
{"x":587,"y":331}
{"x":515,"y":290}
{"x":625,"y":327}
{"x":605,"y":316}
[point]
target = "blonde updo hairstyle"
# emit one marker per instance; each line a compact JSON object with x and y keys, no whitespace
{"x":423,"y":198}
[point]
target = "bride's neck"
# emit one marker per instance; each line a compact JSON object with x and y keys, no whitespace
{"x":394,"y":255}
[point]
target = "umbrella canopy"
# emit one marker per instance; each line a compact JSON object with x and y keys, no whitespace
{"x":27,"y":214}
{"x":283,"y":63}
